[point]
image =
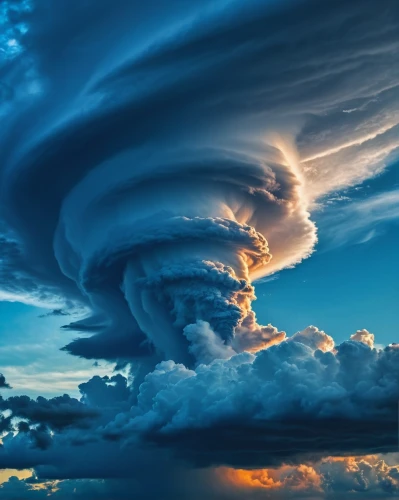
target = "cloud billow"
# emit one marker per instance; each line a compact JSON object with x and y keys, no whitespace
{"x":268,"y":400}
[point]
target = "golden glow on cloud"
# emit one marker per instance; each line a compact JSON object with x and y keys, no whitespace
{"x":300,"y":478}
{"x":348,"y":144}
{"x":5,"y":474}
{"x":314,"y":478}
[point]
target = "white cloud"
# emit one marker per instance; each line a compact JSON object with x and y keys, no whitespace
{"x":360,"y":221}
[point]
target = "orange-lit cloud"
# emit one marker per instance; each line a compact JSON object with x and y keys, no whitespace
{"x":5,"y":474}
{"x":368,"y":474}
{"x":299,"y":478}
{"x":364,"y":336}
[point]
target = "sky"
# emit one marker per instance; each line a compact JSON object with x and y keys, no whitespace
{"x":199,"y":212}
{"x":338,"y":288}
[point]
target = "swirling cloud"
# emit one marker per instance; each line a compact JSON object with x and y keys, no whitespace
{"x":149,"y":176}
{"x":117,"y":178}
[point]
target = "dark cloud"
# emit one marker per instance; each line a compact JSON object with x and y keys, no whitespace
{"x":287,"y":403}
{"x":106,"y":391}
{"x":3,"y":382}
{"x":58,"y":413}
{"x":110,"y":347}
{"x":55,"y":312}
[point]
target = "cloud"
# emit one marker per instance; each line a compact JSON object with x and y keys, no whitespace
{"x":205,"y":345}
{"x":252,"y":337}
{"x":54,"y":312}
{"x":355,"y":477}
{"x":150,"y":179}
{"x":57,"y":413}
{"x":251,"y":151}
{"x":40,"y":378}
{"x":368,"y":476}
{"x":364,"y":336}
{"x":249,"y":411}
{"x":317,"y":339}
{"x":145,"y":487}
{"x":360,"y":221}
{"x":20,"y":283}
{"x":286,"y":394}
{"x":3,"y":383}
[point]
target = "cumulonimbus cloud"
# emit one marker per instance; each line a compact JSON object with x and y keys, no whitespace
{"x":117,"y":179}
{"x":153,"y":176}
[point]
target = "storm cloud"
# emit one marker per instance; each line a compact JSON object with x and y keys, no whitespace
{"x":157,"y":160}
{"x":131,"y":178}
{"x":254,"y":410}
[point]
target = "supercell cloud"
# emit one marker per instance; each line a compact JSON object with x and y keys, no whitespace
{"x":158,"y":158}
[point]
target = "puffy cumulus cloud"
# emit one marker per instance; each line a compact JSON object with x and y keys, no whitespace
{"x":287,"y":480}
{"x":252,"y":337}
{"x":286,"y":406}
{"x":332,"y":477}
{"x":364,"y":336}
{"x":285,"y":403}
{"x":316,"y":339}
{"x":360,"y":474}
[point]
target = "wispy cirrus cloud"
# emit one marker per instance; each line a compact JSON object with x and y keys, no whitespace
{"x":360,"y":221}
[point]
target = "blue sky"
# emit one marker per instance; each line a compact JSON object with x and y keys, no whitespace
{"x":30,"y":353}
{"x":342,"y":288}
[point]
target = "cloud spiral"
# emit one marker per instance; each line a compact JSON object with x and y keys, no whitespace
{"x":151,"y":177}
